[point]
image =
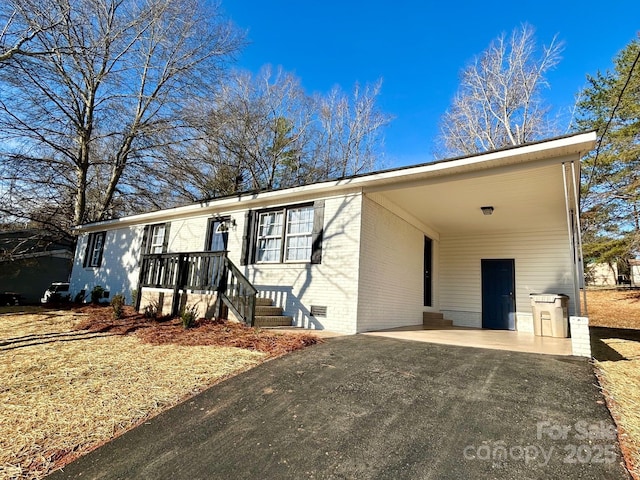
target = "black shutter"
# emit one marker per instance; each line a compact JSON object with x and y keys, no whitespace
{"x":87,"y":251}
{"x":165,"y":242}
{"x":248,"y":239}
{"x":209,"y":236}
{"x":318,"y":231}
{"x":104,"y":238}
{"x":145,"y":240}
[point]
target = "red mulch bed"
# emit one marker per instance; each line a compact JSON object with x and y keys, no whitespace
{"x":205,"y":332}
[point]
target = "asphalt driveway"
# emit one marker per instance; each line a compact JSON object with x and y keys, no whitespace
{"x":362,"y":407}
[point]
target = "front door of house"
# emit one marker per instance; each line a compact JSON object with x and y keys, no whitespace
{"x":498,"y":294}
{"x":218,"y":235}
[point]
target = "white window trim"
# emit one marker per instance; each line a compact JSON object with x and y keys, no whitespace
{"x":284,"y":235}
{"x":279,"y":236}
{"x":154,"y":236}
{"x":290,"y":235}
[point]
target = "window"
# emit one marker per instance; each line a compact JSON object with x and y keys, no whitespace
{"x":299,"y":230}
{"x":95,"y":246}
{"x":270,"y":237}
{"x":156,"y":240}
{"x":285,"y":233}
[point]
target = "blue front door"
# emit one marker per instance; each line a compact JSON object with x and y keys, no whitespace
{"x":498,"y":294}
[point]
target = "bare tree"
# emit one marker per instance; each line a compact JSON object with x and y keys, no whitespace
{"x":16,"y":36}
{"x":82,"y":121}
{"x":265,"y":132}
{"x":349,"y":141}
{"x":251,"y":135}
{"x":498,"y":102}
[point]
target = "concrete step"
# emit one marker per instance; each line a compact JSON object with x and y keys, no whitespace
{"x":435,"y":319}
{"x":268,"y":310}
{"x":273,"y":321}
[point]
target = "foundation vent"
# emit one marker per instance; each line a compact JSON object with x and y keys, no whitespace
{"x":318,"y":310}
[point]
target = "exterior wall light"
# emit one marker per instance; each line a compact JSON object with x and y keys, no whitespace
{"x":487,"y":210}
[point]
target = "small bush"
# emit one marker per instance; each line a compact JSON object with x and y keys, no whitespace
{"x":80,"y":297}
{"x":117,"y":303}
{"x":96,"y":294}
{"x":151,"y":310}
{"x":189,"y":315}
{"x":134,"y":295}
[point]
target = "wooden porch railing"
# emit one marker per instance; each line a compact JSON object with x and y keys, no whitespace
{"x":204,"y":271}
{"x":239,"y":294}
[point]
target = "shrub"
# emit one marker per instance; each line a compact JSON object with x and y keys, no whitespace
{"x":80,"y":297}
{"x":151,"y":310}
{"x":189,"y":316}
{"x":117,"y":303}
{"x":134,"y":295}
{"x":96,"y":294}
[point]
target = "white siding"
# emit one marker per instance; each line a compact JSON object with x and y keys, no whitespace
{"x":542,"y":264}
{"x":391,"y":263}
{"x":119,"y":270}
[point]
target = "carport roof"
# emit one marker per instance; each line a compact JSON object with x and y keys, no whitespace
{"x":446,"y":195}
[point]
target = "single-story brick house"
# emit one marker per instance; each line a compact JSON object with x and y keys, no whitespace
{"x":469,"y":238}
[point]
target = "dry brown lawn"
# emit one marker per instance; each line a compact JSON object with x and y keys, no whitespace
{"x":72,"y":380}
{"x":615,"y":320}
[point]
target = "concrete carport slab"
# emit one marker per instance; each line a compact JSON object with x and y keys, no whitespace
{"x":363,"y":407}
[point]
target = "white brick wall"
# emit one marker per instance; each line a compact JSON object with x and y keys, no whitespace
{"x":333,"y":283}
{"x":188,"y":235}
{"x":541,"y":265}
{"x":391,"y":264}
{"x":580,"y":338}
{"x":119,"y":270}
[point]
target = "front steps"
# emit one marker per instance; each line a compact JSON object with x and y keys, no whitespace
{"x":268,"y":315}
{"x":435,"y":319}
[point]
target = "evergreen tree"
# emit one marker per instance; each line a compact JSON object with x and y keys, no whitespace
{"x":610,"y":104}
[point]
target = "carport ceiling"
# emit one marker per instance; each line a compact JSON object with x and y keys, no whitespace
{"x":523,"y":199}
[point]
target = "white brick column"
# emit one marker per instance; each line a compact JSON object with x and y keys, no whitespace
{"x":580,"y":339}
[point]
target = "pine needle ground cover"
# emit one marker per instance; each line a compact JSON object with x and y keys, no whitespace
{"x":72,"y":380}
{"x":614,"y":317}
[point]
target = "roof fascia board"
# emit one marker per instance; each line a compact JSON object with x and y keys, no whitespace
{"x":552,"y":149}
{"x":222,"y":206}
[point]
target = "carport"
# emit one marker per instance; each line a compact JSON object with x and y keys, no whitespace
{"x":498,"y":227}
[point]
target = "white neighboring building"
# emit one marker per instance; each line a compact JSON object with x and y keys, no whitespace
{"x":469,"y":238}
{"x":602,"y":275}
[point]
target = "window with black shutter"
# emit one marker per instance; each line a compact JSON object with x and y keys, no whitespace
{"x":291,"y":234}
{"x":95,"y":248}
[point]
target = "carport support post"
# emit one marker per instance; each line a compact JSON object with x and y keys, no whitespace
{"x":572,"y":242}
{"x":579,"y":228}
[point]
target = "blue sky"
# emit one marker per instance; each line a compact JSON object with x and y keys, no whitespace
{"x":419,"y":47}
